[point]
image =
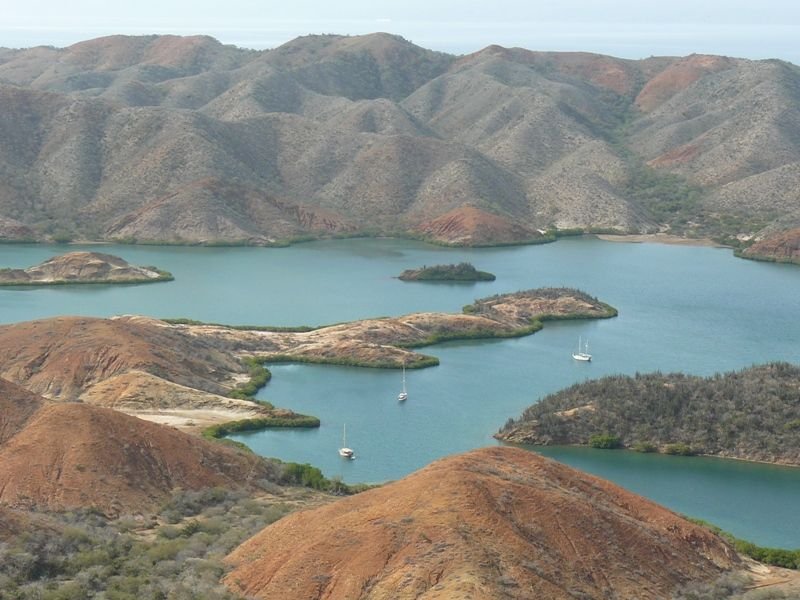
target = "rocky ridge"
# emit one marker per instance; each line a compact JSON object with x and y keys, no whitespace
{"x":779,"y":247}
{"x":82,"y":267}
{"x":185,"y":140}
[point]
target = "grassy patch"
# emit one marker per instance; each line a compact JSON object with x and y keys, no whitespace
{"x":259,"y":376}
{"x":419,"y":361}
{"x":219,"y":431}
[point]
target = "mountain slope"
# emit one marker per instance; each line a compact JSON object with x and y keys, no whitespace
{"x":119,"y":137}
{"x":491,"y":523}
{"x":103,"y":458}
{"x":63,"y":357}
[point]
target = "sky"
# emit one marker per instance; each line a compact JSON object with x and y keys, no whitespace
{"x":624,"y":28}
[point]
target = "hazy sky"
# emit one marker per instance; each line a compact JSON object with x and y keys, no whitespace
{"x":627,"y":28}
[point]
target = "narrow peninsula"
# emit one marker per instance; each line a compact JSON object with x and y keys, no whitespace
{"x":389,"y":342}
{"x":753,"y":414}
{"x":461,"y":272}
{"x":83,"y":267}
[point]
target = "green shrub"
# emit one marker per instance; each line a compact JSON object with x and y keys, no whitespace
{"x":679,"y":449}
{"x":259,"y":376}
{"x":605,"y":441}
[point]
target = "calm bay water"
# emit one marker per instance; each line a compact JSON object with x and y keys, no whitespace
{"x":693,"y":309}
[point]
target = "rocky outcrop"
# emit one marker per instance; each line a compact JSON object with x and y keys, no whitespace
{"x":779,"y":247}
{"x":14,"y":231}
{"x":468,"y":226}
{"x":82,"y":267}
{"x":491,"y":523}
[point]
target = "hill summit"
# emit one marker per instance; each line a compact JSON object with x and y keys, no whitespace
{"x":492,"y":523}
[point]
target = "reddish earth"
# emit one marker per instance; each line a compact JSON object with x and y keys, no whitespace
{"x":677,"y":156}
{"x":471,"y":226}
{"x":781,"y":247}
{"x":62,"y":357}
{"x":70,"y":455}
{"x":492,"y":523}
{"x":677,"y":77}
{"x":17,"y":406}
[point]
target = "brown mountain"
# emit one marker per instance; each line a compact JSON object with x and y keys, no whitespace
{"x":190,"y":141}
{"x":63,"y":357}
{"x":136,"y":365}
{"x":491,"y":523}
{"x":82,"y":267}
{"x":104,"y":459}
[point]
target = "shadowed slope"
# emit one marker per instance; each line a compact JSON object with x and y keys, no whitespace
{"x":491,"y":523}
{"x":17,"y":406}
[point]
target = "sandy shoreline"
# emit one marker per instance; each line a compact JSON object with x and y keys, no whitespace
{"x":659,"y":238}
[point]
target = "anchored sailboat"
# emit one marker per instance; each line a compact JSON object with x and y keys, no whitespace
{"x":582,"y":354}
{"x":403,"y":396}
{"x":344,"y":451}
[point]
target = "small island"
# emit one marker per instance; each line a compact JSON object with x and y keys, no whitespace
{"x":83,"y":267}
{"x":461,"y":272}
{"x":749,"y":415}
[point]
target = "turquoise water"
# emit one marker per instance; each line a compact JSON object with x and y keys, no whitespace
{"x":694,"y":309}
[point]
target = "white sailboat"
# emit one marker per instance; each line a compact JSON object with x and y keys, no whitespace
{"x":344,"y":451}
{"x":582,"y":354}
{"x":403,"y":396}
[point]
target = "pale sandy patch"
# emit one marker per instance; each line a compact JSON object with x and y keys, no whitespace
{"x":659,"y":238}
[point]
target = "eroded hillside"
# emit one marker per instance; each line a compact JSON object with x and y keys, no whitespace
{"x":189,"y":141}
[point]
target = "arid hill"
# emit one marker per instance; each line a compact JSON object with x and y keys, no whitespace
{"x":779,"y":247}
{"x":82,"y":267}
{"x":491,"y":523}
{"x":62,"y":357}
{"x":180,"y":373}
{"x":72,"y":455}
{"x":183,"y":139}
{"x":138,"y":365}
